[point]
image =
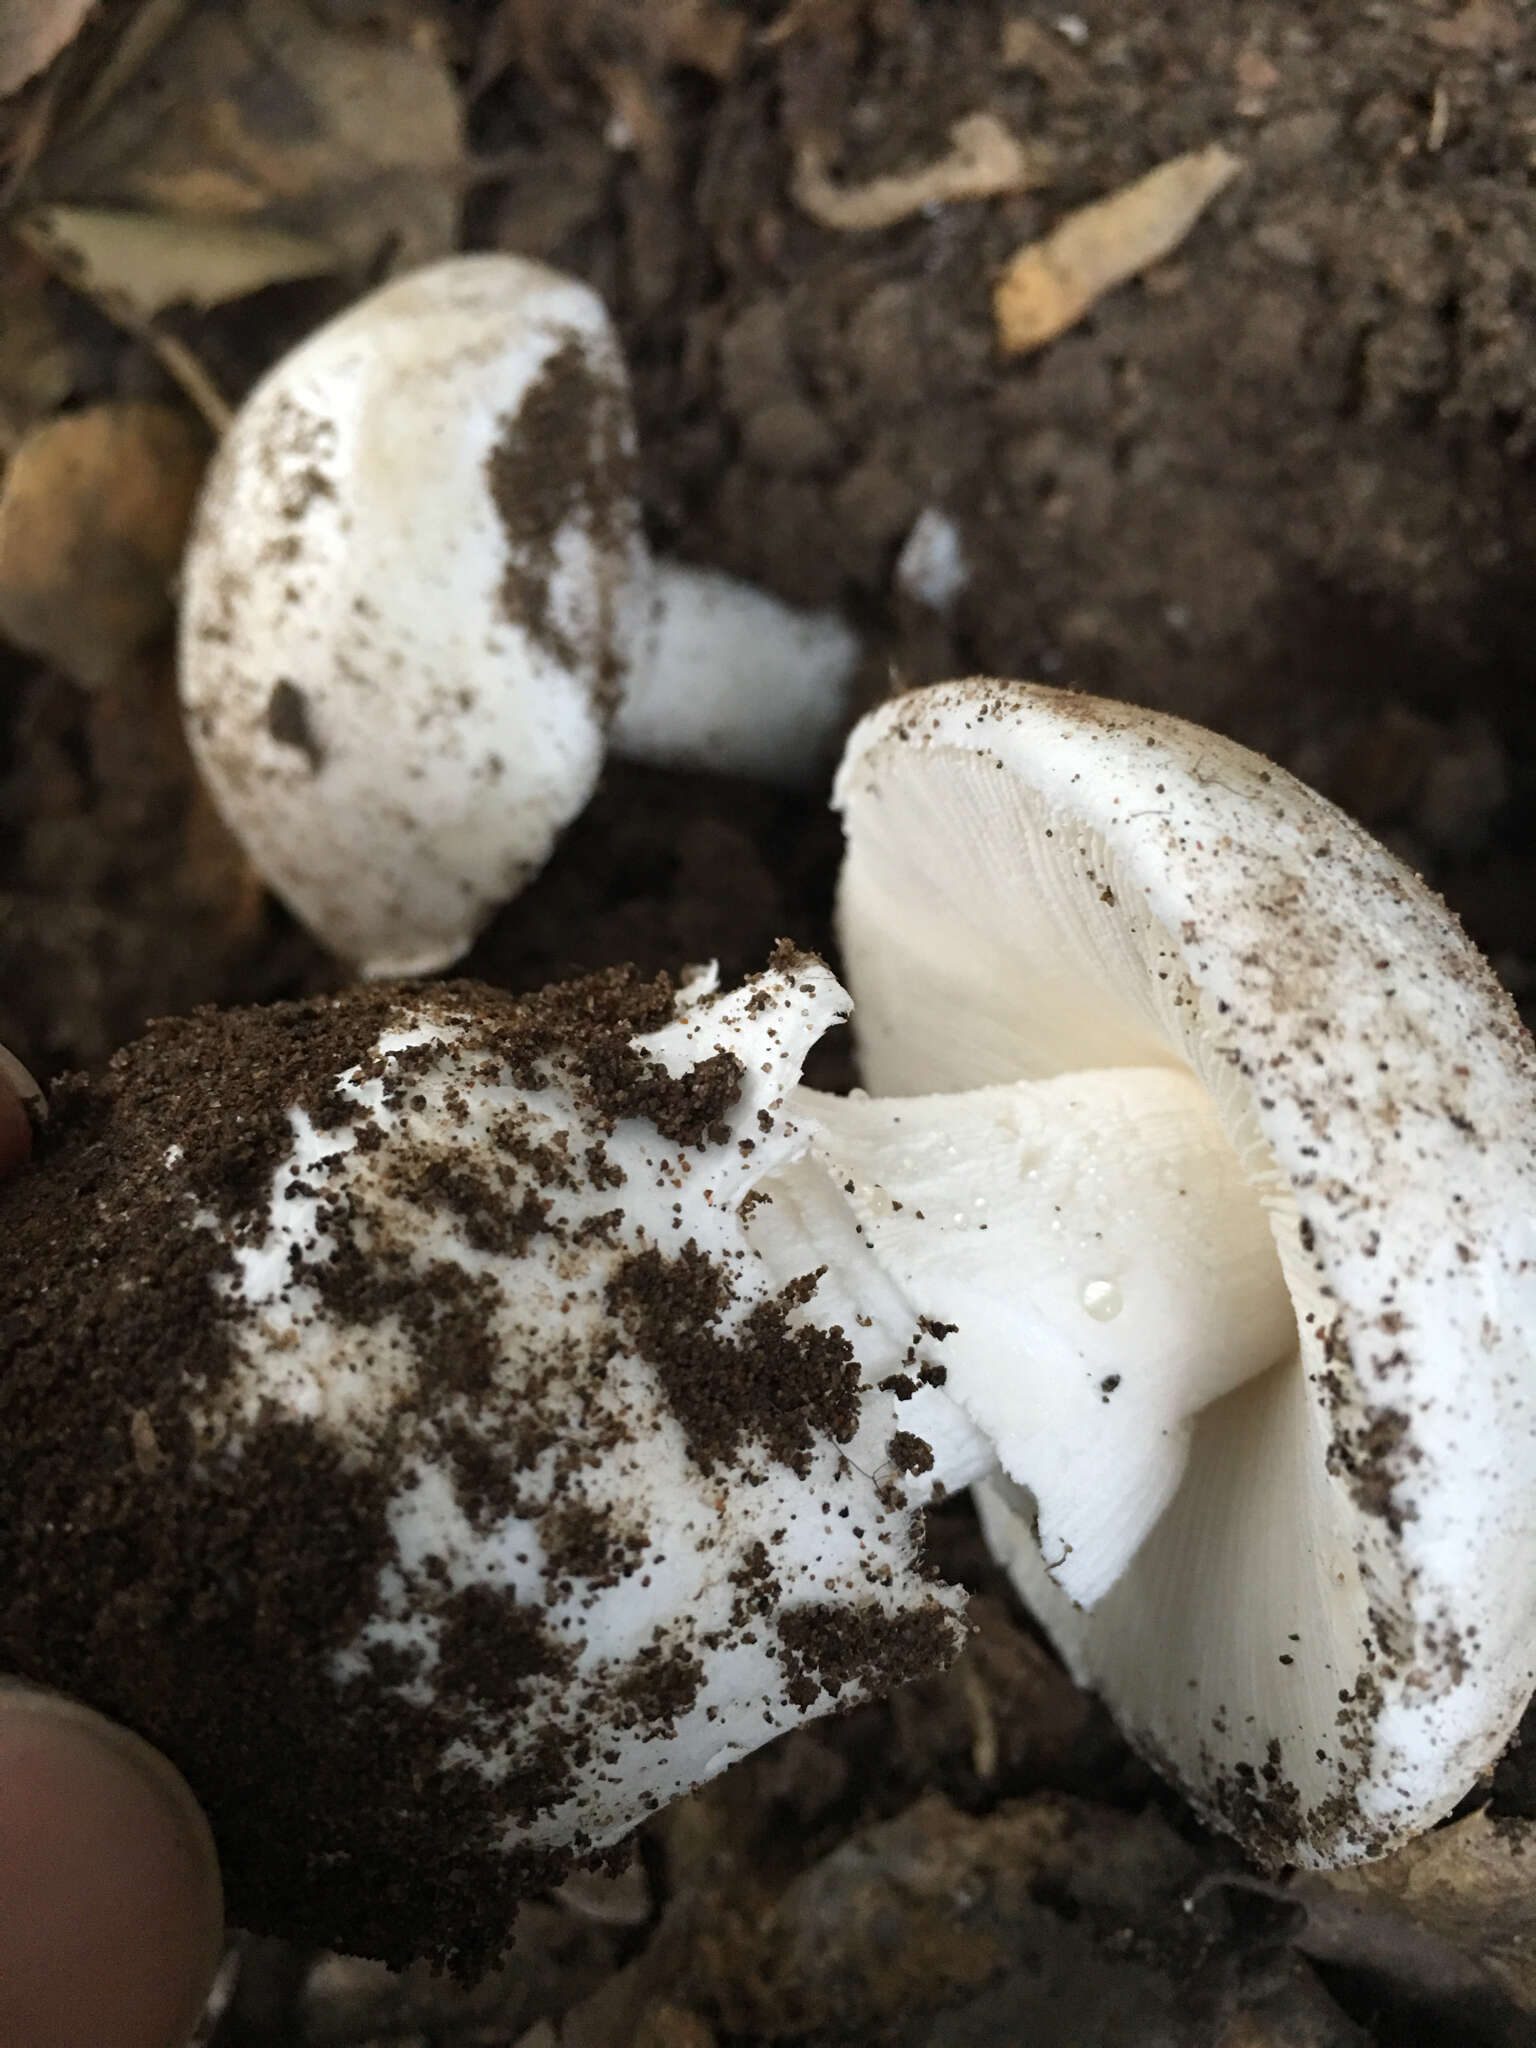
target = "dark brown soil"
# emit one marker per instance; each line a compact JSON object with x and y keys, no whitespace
{"x":1281,"y":484}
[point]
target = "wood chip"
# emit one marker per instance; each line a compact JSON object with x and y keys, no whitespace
{"x":1049,"y":285}
{"x":147,"y":1454}
{"x":986,"y":159}
{"x":148,"y":261}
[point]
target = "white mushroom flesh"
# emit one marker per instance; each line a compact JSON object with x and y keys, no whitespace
{"x":414,"y":589}
{"x":681,"y":1604}
{"x":1331,"y":1629}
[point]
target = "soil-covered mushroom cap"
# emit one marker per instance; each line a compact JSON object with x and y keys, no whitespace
{"x":1331,"y":1629}
{"x":415,"y":1449}
{"x":414,"y":588}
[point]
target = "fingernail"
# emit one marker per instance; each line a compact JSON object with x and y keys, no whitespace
{"x":111,"y":1915}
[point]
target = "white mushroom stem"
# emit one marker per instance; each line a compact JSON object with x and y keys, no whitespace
{"x":418,"y":605}
{"x":734,"y":682}
{"x":1104,"y":1265}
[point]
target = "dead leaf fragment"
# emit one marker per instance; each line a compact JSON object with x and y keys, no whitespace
{"x":1049,"y":285}
{"x":986,"y":159}
{"x":701,"y":35}
{"x":1484,"y":28}
{"x":1472,"y":1883}
{"x":1028,"y":46}
{"x":798,"y":16}
{"x":266,"y":111}
{"x":145,"y":262}
{"x":32,"y":33}
{"x":93,"y":516}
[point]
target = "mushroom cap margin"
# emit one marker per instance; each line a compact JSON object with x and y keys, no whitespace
{"x":1334,"y":1628}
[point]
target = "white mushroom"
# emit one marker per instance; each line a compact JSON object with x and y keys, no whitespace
{"x":417,"y":594}
{"x":452,"y":1485}
{"x":514,"y":1398}
{"x":1215,"y":1138}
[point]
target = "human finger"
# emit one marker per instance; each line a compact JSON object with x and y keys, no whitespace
{"x":111,"y":1913}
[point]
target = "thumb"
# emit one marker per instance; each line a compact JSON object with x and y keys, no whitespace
{"x":111,"y":1915}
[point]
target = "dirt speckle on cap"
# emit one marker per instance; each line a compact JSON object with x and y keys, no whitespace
{"x":567,"y":456}
{"x":288,"y":722}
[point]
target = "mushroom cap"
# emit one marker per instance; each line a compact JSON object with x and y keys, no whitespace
{"x":414,"y":587}
{"x":443,"y":1422}
{"x":1332,"y":1629}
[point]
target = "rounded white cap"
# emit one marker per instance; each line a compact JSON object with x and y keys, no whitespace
{"x":414,"y":589}
{"x":1332,"y":1629}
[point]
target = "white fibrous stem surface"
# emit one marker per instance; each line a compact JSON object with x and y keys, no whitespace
{"x":733,"y":682}
{"x":645,"y":1494}
{"x":1100,"y":1267}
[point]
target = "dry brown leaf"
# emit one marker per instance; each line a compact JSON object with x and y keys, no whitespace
{"x":93,"y":516}
{"x":986,"y":159}
{"x":1049,"y":285}
{"x":266,"y":112}
{"x":42,"y":358}
{"x":141,"y":37}
{"x":32,"y":33}
{"x":1473,"y":1884}
{"x":145,"y":262}
{"x":639,"y":118}
{"x":702,"y":35}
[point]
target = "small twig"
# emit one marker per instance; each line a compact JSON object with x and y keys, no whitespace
{"x":1439,"y":120}
{"x":984,"y":1745}
{"x":181,"y":364}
